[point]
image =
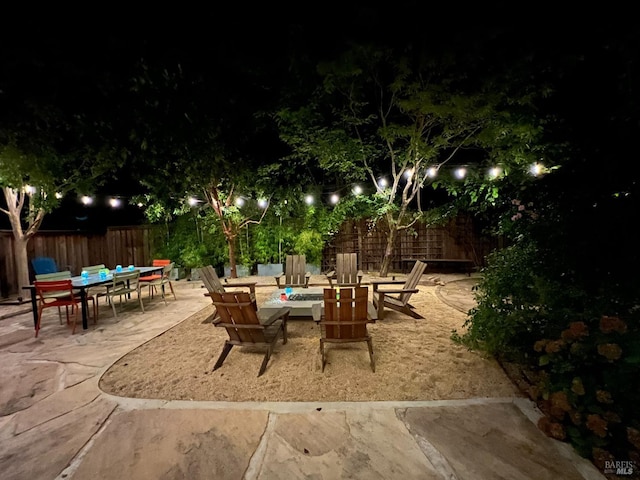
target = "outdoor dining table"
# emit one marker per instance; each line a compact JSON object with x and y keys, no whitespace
{"x":82,"y":284}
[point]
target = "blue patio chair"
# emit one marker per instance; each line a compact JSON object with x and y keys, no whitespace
{"x":44,"y":265}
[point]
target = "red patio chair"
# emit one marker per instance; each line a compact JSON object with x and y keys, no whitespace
{"x":56,"y":293}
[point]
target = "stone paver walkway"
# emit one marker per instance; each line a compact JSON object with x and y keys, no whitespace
{"x":55,"y":423}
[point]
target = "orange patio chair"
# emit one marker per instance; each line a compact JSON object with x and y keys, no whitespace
{"x":158,"y":262}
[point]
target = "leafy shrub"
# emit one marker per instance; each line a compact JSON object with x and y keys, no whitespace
{"x":508,"y":316}
{"x":191,"y":245}
{"x":587,"y":388}
{"x":310,"y":244}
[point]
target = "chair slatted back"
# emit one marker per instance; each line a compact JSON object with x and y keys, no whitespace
{"x":345,"y":313}
{"x":54,"y":276}
{"x":124,"y":282}
{"x":412,"y":280}
{"x":55,"y":292}
{"x":211,"y":280}
{"x":295,"y":269}
{"x":238,"y":315}
{"x":160,"y":262}
{"x":93,"y":269}
{"x":347,"y":269}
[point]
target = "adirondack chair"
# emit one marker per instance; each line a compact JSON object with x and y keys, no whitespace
{"x":346,"y":273}
{"x":345,"y":319}
{"x":248,"y":327}
{"x":295,"y":272}
{"x":213,"y":284}
{"x":398,"y":298}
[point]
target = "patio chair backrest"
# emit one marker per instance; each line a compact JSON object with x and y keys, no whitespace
{"x":347,"y":269}
{"x":211,"y":280}
{"x":43,"y":265}
{"x":412,"y":280}
{"x":295,"y":270}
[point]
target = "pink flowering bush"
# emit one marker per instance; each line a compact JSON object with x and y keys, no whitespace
{"x":588,"y":388}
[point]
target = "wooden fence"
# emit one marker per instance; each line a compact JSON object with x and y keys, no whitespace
{"x":459,"y":239}
{"x":73,"y":250}
{"x":134,"y":245}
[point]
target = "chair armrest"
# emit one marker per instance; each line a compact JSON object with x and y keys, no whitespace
{"x":240,"y":284}
{"x":379,"y":281}
{"x":267,"y":320}
{"x":360,"y":274}
{"x":331,"y":274}
{"x":372,"y":313}
{"x":251,"y":285}
{"x":397,"y":290}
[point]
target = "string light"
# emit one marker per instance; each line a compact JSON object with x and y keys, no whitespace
{"x":495,"y":172}
{"x":460,"y":173}
{"x":536,"y":169}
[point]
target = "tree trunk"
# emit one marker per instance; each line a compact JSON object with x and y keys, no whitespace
{"x":359,"y":230}
{"x":21,"y":262}
{"x":388,"y":252}
{"x":15,"y":201}
{"x":232,"y":257}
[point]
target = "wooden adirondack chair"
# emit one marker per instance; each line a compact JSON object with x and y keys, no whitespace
{"x":398,"y":298}
{"x":295,"y":272}
{"x":246,"y":326}
{"x":213,"y":285}
{"x":345,"y":319}
{"x":346,"y":273}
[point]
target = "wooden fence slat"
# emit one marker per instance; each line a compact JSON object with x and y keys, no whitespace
{"x":74,"y":250}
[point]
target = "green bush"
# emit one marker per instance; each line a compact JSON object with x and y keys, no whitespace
{"x":310,"y":244}
{"x":190,"y":244}
{"x":508,"y":316}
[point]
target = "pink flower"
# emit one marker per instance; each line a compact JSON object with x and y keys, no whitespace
{"x":612,"y":324}
{"x":611,"y":351}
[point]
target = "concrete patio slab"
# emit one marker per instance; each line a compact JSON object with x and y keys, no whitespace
{"x":56,"y":424}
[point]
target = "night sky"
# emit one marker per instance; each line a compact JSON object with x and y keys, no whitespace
{"x":109,"y":40}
